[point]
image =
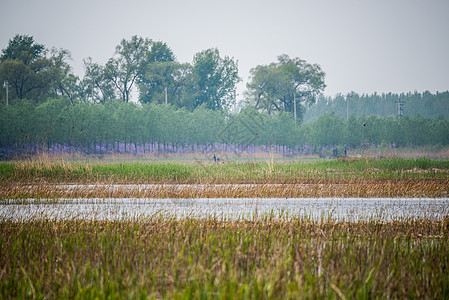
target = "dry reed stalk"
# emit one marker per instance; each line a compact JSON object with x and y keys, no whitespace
{"x":362,"y":188}
{"x":165,"y":258}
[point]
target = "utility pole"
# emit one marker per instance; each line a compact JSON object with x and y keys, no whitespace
{"x":294,"y":101}
{"x":234,"y":102}
{"x":6,"y":85}
{"x":294,"y":104}
{"x":166,"y":98}
{"x":401,"y":104}
{"x":92,"y":91}
{"x":347,"y":107}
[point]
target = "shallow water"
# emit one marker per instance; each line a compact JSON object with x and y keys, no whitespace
{"x":348,"y":209}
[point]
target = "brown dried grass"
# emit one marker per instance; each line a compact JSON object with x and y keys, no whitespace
{"x":363,"y":188}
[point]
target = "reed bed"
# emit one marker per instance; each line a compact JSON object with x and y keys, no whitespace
{"x":161,"y":257}
{"x":356,"y":188}
{"x":221,"y":173}
{"x":270,"y":257}
{"x":327,"y":178}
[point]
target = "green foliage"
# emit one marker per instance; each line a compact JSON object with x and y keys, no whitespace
{"x":231,"y":172}
{"x":168,"y":79}
{"x":329,"y":130}
{"x":213,"y":80}
{"x":209,"y":81}
{"x":152,"y":66}
{"x":275,"y":87}
{"x":425,"y":104}
{"x":131,"y":58}
{"x":96,"y":85}
{"x":76,"y":123}
{"x":32,"y":75}
{"x":269,"y":258}
{"x":62,"y":109}
{"x":23,"y":48}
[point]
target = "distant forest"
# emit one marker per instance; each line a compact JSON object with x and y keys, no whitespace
{"x":187,"y":107}
{"x":424,"y":104}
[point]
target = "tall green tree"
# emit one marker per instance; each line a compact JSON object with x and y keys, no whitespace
{"x":161,"y":52}
{"x":95,"y":85}
{"x":131,"y":58}
{"x":62,"y":81}
{"x":214,"y":80}
{"x":163,"y":77}
{"x":276,"y":86}
{"x":329,"y":130}
{"x":32,"y":74}
{"x":22,"y":65}
{"x":23,"y":48}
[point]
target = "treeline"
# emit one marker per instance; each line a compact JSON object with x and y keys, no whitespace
{"x":186,"y":106}
{"x":425,"y":104}
{"x":150,"y":69}
{"x":32,"y":71}
{"x":128,"y":127}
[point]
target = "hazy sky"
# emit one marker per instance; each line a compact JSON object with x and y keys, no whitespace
{"x":362,"y":46}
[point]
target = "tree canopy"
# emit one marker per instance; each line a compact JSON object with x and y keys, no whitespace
{"x":130,"y":60}
{"x":51,"y":103}
{"x":139,"y":65}
{"x":32,"y":73}
{"x":213,"y":80}
{"x":59,"y":123}
{"x":386,"y":104}
{"x":274,"y":87}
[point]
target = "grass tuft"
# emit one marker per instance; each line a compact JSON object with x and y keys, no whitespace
{"x":163,"y":257}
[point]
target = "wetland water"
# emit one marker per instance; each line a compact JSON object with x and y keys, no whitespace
{"x":348,"y":209}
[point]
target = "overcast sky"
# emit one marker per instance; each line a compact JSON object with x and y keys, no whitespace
{"x":362,"y":46}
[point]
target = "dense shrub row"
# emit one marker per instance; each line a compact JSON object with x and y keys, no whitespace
{"x":120,"y":125}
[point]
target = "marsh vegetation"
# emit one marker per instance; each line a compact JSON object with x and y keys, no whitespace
{"x":191,"y":258}
{"x":325,"y":178}
{"x":269,"y":254}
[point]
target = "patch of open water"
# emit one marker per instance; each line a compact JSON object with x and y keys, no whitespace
{"x":339,"y":209}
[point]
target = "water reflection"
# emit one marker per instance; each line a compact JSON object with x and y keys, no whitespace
{"x":348,"y":209}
